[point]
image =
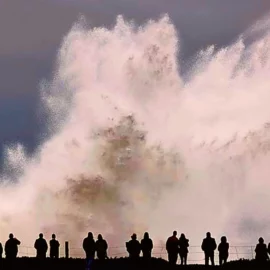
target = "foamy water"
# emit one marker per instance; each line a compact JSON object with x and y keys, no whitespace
{"x":135,"y":147}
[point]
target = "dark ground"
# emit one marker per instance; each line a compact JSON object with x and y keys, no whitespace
{"x":117,"y":264}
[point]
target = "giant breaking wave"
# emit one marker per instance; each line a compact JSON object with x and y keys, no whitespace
{"x":135,"y":147}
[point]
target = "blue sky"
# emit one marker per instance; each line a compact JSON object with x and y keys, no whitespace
{"x":31,"y":31}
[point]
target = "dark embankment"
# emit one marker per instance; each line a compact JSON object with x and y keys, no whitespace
{"x":118,"y":264}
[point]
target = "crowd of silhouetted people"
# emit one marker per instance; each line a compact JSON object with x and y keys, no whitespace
{"x":41,"y":246}
{"x":175,"y":247}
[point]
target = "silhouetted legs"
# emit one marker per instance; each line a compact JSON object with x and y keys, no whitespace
{"x":172,"y":257}
{"x":222,"y":259}
{"x":183,"y":258}
{"x":211,"y":257}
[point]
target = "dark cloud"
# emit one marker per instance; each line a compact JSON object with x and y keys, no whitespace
{"x":37,"y":26}
{"x":31,"y":32}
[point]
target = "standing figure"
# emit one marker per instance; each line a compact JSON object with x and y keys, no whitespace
{"x":41,"y":247}
{"x":89,"y":246}
{"x":101,"y":248}
{"x":133,"y":247}
{"x":183,"y":251}
{"x":54,"y":247}
{"x":223,"y":249}
{"x":261,"y":251}
{"x":147,"y":246}
{"x":208,"y":246}
{"x":11,"y":247}
{"x":172,"y":247}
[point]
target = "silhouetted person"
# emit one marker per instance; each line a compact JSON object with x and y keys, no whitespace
{"x":172,"y":247}
{"x":223,"y":249}
{"x":11,"y":247}
{"x":101,"y":248}
{"x":89,"y":246}
{"x":146,"y":246}
{"x":261,"y":251}
{"x":133,"y":247}
{"x":183,"y":251}
{"x":1,"y":251}
{"x":208,"y":246}
{"x":54,"y":247}
{"x":41,"y":247}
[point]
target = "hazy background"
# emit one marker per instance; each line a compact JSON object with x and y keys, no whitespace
{"x":32,"y":30}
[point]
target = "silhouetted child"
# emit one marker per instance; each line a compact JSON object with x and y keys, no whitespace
{"x":41,"y":247}
{"x":54,"y":247}
{"x":223,"y":249}
{"x":101,"y":248}
{"x":133,"y":247}
{"x":146,"y":246}
{"x":183,"y":251}
{"x":261,"y":251}
{"x":89,"y":246}
{"x":208,"y":246}
{"x":172,"y":247}
{"x":11,"y":247}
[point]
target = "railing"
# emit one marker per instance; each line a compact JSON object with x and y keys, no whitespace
{"x":195,"y":256}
